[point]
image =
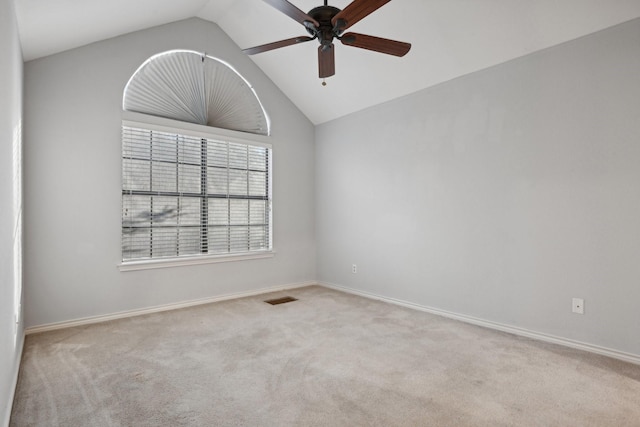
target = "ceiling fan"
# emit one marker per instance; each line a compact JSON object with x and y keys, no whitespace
{"x":326,"y":23}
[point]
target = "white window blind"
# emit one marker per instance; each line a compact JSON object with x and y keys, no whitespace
{"x":196,"y":88}
{"x":185,"y":195}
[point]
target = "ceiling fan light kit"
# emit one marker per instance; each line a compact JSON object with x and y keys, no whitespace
{"x":326,"y":23}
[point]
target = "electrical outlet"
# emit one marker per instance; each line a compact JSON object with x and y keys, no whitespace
{"x":354,"y":268}
{"x":578,"y":306}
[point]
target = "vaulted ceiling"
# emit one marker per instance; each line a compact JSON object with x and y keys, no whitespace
{"x":450,"y":38}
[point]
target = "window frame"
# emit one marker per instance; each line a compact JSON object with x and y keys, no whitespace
{"x":160,"y":124}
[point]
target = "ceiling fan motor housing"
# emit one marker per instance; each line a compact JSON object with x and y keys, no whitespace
{"x":326,"y":31}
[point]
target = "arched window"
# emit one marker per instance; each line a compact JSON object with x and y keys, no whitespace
{"x":195,"y":88}
{"x":193,"y":191}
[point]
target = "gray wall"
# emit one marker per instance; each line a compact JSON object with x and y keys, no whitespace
{"x":11,"y":337}
{"x":499,"y":195}
{"x":73,"y":172}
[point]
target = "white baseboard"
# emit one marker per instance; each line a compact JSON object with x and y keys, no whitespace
{"x":159,"y":308}
{"x":14,"y":384}
{"x":627,"y":357}
{"x":615,"y":354}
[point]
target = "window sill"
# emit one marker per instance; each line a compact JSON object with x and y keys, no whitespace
{"x":149,"y":264}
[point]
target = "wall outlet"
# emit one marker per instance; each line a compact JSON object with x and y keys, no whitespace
{"x":354,"y":268}
{"x":578,"y":306}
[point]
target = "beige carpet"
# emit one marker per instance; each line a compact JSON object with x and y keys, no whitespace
{"x":329,"y":359}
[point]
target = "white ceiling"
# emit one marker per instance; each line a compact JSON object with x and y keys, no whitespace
{"x":450,"y":38}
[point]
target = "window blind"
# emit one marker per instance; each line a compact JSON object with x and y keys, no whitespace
{"x":196,"y":88}
{"x":185,"y":195}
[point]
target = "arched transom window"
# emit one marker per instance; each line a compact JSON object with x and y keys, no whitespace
{"x":196,"y":88}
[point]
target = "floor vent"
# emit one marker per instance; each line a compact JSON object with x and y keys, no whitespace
{"x":282,"y":300}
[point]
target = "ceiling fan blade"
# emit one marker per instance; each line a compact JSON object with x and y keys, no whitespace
{"x":276,"y":45}
{"x":326,"y":61}
{"x":377,"y":44}
{"x":355,"y":11}
{"x":293,"y":12}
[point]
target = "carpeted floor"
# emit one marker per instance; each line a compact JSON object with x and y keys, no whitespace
{"x":328,"y":359}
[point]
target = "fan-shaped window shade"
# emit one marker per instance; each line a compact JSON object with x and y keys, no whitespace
{"x":195,"y":88}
